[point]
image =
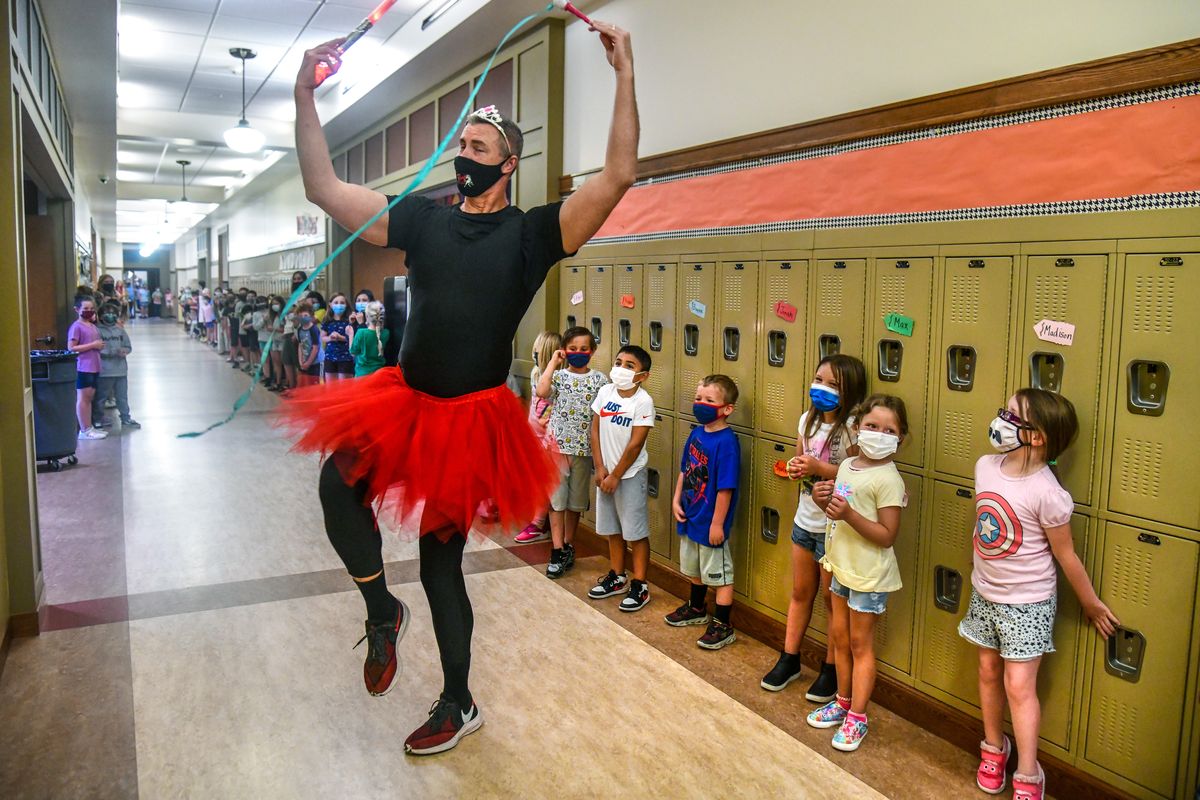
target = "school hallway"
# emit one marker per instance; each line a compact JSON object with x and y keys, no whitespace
{"x":198,"y":630}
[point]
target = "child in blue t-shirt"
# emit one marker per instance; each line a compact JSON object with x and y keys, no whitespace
{"x":705,"y":498}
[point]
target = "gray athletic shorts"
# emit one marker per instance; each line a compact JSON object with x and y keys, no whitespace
{"x":625,"y":511}
{"x":574,"y":492}
{"x":712,"y":565}
{"x":1019,"y":631}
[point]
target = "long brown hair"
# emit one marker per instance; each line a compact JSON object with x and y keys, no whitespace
{"x":1051,"y":415}
{"x":851,"y":377}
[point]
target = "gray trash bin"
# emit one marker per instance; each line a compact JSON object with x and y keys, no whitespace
{"x":55,"y":428}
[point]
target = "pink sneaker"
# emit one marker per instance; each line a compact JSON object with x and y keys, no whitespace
{"x":1026,"y":788}
{"x":993,"y":765}
{"x":533,"y":532}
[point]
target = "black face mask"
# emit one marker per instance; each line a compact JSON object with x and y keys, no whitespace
{"x":474,"y":178}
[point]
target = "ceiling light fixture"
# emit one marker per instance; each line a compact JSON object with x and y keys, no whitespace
{"x":183,"y":165}
{"x":442,"y":9}
{"x":242,"y":137}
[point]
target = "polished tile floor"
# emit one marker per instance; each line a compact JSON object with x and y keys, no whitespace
{"x":198,"y":631}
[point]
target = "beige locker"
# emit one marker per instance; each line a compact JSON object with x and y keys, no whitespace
{"x":695,"y":315}
{"x":783,"y":375}
{"x":627,"y":308}
{"x":974,"y":359}
{"x":1137,"y":712}
{"x":1155,"y":458}
{"x":1068,"y":289}
{"x":661,"y":470}
{"x":773,"y":510}
{"x":894,"y":629}
{"x":572,"y":292}
{"x":737,"y":333}
{"x":659,"y":335}
{"x":598,"y":315}
{"x":840,"y":291}
{"x":898,"y":360}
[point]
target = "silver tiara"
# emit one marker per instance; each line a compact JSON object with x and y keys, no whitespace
{"x":491,"y":115}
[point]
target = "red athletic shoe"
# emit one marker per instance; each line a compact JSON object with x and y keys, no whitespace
{"x":380,"y":667}
{"x":447,"y":724}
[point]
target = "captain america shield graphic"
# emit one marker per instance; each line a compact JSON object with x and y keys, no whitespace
{"x":997,"y":528}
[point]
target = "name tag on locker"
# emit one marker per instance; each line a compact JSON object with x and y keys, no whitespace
{"x":698,"y":308}
{"x":785,"y":311}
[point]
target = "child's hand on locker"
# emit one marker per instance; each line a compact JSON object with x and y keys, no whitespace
{"x":1102,"y":618}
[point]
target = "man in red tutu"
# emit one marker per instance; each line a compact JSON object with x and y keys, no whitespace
{"x":435,"y":440}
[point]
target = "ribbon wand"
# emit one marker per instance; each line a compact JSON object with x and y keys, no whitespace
{"x":324,"y":70}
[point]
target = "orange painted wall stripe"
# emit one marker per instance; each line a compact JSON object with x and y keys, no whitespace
{"x":1141,"y":149}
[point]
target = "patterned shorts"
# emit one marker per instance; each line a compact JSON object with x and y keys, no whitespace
{"x":1020,"y":631}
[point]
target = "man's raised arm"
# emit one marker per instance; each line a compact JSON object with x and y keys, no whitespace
{"x":585,"y":211}
{"x":349,"y":205}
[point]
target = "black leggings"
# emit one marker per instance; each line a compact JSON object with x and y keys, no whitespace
{"x":350,"y":525}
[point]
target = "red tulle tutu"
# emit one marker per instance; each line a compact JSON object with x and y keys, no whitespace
{"x":444,"y":457}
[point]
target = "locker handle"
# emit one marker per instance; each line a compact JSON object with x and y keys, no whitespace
{"x":770,"y":525}
{"x":891,"y":355}
{"x":571,"y":320}
{"x":656,"y":336}
{"x":776,"y":348}
{"x":829,"y":344}
{"x":1046,"y":371}
{"x":624,"y":329}
{"x":960,"y":367}
{"x":598,"y":329}
{"x":1123,"y":654}
{"x":1148,"y":382}
{"x":691,"y":340}
{"x":733,"y":344}
{"x":652,"y":482}
{"x":947,"y":588}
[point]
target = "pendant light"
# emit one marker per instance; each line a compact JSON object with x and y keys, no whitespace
{"x":242,"y":137}
{"x":183,"y":165}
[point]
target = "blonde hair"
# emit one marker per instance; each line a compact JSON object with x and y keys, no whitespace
{"x":544,"y":347}
{"x":374,"y":315}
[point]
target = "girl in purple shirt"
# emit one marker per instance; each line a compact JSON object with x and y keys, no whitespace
{"x":84,"y":338}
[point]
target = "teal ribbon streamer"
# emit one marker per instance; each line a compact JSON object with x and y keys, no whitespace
{"x":420,"y":177}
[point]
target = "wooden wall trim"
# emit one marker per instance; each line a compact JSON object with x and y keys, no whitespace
{"x":1143,"y":69}
{"x":949,"y":723}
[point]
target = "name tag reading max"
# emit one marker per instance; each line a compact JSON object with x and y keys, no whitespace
{"x":1049,"y":330}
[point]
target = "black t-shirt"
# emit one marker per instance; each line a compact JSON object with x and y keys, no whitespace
{"x":472,"y":276}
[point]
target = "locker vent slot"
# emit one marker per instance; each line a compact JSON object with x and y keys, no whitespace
{"x":625,"y":284}
{"x":777,"y":288}
{"x":1140,"y":460}
{"x":1050,"y":297}
{"x":693,"y":286}
{"x":767,"y":477}
{"x":1131,"y":574}
{"x":1117,"y":728}
{"x":689,"y":379}
{"x":892,"y":294}
{"x":943,"y":661}
{"x":958,"y":434}
{"x":773,"y":400}
{"x":656,"y":291}
{"x":768,"y":576}
{"x":832,"y":286}
{"x":596,"y":287}
{"x":964,"y":299}
{"x":1153,"y":303}
{"x":732,"y":291}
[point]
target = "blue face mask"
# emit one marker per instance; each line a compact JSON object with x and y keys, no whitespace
{"x":824,"y":398}
{"x":579,"y":360}
{"x":705,"y":412}
{"x":360,"y":307}
{"x":337,"y":308}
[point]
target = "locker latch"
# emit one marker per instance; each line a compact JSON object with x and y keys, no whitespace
{"x":598,"y":329}
{"x":652,"y":478}
{"x":624,"y":329}
{"x":776,"y":348}
{"x":1123,"y":654}
{"x":691,"y":340}
{"x":891,"y":354}
{"x":656,"y":336}
{"x":733,"y":343}
{"x":571,"y":320}
{"x":960,"y":367}
{"x":947,"y":588}
{"x":770,"y":525}
{"x":829,"y":344}
{"x":1148,"y":387}
{"x":1046,"y":371}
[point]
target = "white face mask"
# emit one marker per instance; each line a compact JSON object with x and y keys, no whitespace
{"x":622,"y":377}
{"x":1004,"y":435}
{"x":877,"y":445}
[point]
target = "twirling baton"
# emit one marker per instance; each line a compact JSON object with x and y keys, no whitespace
{"x":324,"y":70}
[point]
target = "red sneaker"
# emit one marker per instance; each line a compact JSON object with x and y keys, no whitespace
{"x":992,"y":775}
{"x":447,"y":724}
{"x":533,"y":532}
{"x":380,"y":667}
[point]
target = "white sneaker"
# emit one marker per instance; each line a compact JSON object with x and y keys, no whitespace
{"x":92,"y":433}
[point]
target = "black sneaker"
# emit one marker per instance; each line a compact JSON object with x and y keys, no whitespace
{"x":568,"y":556}
{"x":717,"y":636}
{"x":608,"y":586}
{"x":686,"y":615}
{"x":824,"y":688}
{"x":555,"y":568}
{"x":379,"y":668}
{"x":130,"y":423}
{"x":786,"y":670}
{"x":635,"y":599}
{"x":446,"y":726}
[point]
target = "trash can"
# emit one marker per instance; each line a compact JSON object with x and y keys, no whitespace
{"x":55,"y":428}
